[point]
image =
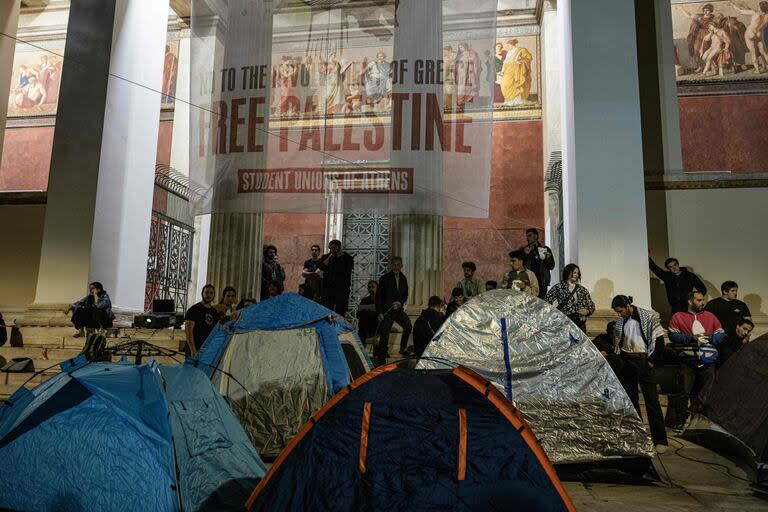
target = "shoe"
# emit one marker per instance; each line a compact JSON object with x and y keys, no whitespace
{"x":79,"y":334}
{"x":403,"y":352}
{"x":661,"y":448}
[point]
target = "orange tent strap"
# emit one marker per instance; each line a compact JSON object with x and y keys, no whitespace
{"x":516,"y":419}
{"x":364,"y":436}
{"x":462,"y":475}
{"x":308,"y":426}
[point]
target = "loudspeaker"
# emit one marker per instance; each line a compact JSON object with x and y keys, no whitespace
{"x":151,"y":321}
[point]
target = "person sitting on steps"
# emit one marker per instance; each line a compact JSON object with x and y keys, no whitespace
{"x":94,"y":311}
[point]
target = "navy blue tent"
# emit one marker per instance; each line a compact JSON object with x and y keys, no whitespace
{"x":117,"y":436}
{"x":279,"y":362}
{"x":399,"y":439}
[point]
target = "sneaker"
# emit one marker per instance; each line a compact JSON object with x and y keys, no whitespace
{"x":661,"y":448}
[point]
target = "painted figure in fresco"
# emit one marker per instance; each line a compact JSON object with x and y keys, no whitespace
{"x":467,"y":69}
{"x":170,"y":70}
{"x":697,"y":32}
{"x":49,"y":73}
{"x":306,"y":85}
{"x":735,"y":30}
{"x":378,"y":84}
{"x":489,"y":77}
{"x":35,"y":94}
{"x":498,"y":59}
{"x":331,"y":84}
{"x":718,"y":56}
{"x":756,"y":33}
{"x":516,"y":74}
{"x":449,"y":76}
{"x":287,"y":75}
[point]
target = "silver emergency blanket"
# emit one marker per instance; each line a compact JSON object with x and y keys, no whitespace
{"x":550,"y":370}
{"x":283,"y":370}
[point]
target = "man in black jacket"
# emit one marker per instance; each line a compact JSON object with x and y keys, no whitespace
{"x":678,"y":281}
{"x":391,"y":295}
{"x":337,"y":278}
{"x":538,"y":259}
{"x":427,"y":324}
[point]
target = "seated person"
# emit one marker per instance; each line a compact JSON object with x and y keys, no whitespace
{"x":226,"y":306}
{"x":245,"y":302}
{"x":427,"y":324}
{"x":274,"y":288}
{"x":305,"y":291}
{"x":457,"y":300}
{"x":491,"y":285}
{"x":604,"y":343}
{"x":367,"y":318}
{"x":94,"y":311}
{"x":734,"y":340}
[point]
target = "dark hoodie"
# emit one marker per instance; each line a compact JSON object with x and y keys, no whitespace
{"x":678,"y":286}
{"x":425,"y":328}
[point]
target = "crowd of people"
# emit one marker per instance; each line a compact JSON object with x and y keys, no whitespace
{"x":702,"y":336}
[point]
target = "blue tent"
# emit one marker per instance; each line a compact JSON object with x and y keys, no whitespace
{"x":398,"y":439}
{"x":279,"y":362}
{"x":117,"y":436}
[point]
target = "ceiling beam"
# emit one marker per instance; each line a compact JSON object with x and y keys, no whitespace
{"x":181,"y":8}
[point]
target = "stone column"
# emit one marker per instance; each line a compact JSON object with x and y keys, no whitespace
{"x":418,"y":239}
{"x":550,"y":65}
{"x":604,"y":190}
{"x":9,"y":22}
{"x":234,"y":252}
{"x":102,"y":166}
{"x":670,"y":113}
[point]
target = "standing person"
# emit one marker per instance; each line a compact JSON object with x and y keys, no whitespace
{"x":227,"y":305}
{"x":271,"y":270}
{"x":695,"y":334}
{"x":539,"y":259}
{"x":337,"y":268}
{"x":391,"y":296}
{"x":470,"y":285}
{"x":678,"y":281}
{"x":754,"y":35}
{"x":572,"y":298}
{"x":639,"y":339}
{"x":94,"y":311}
{"x":200,"y":321}
{"x":313,"y":276}
{"x":727,"y":308}
{"x":427,"y":324}
{"x":520,"y":277}
{"x":367,"y":318}
{"x":457,"y":300}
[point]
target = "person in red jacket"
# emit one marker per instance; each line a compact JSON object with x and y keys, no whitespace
{"x":695,"y":335}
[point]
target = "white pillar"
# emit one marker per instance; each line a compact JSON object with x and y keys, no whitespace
{"x":102,"y":165}
{"x":670,"y":112}
{"x":180,"y":137}
{"x":9,"y":22}
{"x":128,"y":152}
{"x":552,"y":126}
{"x":602,"y":150}
{"x":418,"y":239}
{"x":234,"y":252}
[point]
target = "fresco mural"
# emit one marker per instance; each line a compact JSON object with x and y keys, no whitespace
{"x":358,"y":80}
{"x":36,"y":79}
{"x":720,"y":40}
{"x":170,"y":74}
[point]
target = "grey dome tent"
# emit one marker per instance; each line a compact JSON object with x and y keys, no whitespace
{"x":735,"y":419}
{"x":554,"y":375}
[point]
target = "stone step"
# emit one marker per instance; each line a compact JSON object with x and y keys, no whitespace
{"x":40,"y":353}
{"x":17,"y":379}
{"x":167,"y":343}
{"x":58,"y":337}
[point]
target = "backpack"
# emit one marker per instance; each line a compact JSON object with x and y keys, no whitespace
{"x":3,"y":331}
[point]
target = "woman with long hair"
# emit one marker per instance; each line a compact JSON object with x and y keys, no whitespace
{"x":94,"y":311}
{"x":570,"y":297}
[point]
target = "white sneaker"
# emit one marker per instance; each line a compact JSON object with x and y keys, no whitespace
{"x":661,"y":448}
